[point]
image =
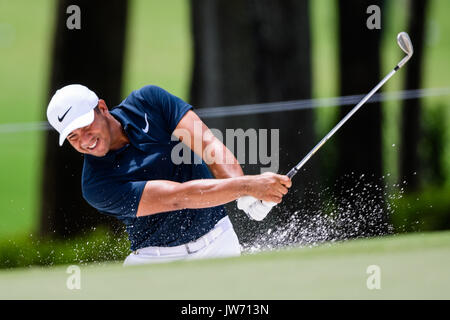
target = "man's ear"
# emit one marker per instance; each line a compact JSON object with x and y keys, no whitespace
{"x":102,"y":106}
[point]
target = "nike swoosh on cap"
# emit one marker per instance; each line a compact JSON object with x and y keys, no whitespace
{"x":60,"y":119}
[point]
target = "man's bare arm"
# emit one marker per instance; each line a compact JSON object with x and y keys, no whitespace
{"x":162,"y":195}
{"x":202,"y":141}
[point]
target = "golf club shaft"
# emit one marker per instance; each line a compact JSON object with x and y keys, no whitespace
{"x":295,"y":169}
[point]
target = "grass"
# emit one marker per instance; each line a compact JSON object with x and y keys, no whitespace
{"x":426,"y":210}
{"x":413,"y":266}
{"x":99,"y":245}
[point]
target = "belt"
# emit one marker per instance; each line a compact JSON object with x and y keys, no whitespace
{"x":223,"y":225}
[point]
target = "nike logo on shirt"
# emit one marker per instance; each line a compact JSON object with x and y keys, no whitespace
{"x":60,"y":119}
{"x":146,"y":125}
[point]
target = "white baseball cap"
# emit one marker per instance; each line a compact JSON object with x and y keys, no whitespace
{"x":71,"y":107}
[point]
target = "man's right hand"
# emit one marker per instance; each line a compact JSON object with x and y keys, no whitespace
{"x":265,"y":191}
{"x":270,"y":187}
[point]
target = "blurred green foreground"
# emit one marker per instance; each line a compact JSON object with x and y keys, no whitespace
{"x":413,"y":266}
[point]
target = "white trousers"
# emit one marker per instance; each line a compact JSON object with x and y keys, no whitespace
{"x":220,"y":242}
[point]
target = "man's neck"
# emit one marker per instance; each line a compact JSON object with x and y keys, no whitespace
{"x":118,"y":135}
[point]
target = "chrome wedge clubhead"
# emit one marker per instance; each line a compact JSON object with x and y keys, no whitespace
{"x":405,"y":44}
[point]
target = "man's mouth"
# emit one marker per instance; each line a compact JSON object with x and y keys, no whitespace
{"x":92,"y":146}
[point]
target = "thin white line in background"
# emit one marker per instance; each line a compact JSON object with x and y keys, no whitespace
{"x":218,"y":112}
{"x":317,"y":103}
{"x":24,"y":126}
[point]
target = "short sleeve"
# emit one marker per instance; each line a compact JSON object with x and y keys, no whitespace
{"x":120,"y":200}
{"x":173,"y":108}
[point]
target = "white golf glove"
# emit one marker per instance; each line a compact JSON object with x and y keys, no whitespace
{"x":254,"y":208}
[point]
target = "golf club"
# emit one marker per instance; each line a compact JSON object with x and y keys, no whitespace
{"x":405,"y":44}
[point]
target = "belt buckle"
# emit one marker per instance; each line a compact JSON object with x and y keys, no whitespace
{"x":203,"y":239}
{"x":187,"y":249}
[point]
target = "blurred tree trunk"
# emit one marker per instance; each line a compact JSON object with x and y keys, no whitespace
{"x":411,"y":128}
{"x":361,"y":202}
{"x":255,"y":51}
{"x":92,"y":56}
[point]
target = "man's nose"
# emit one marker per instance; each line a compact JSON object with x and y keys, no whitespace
{"x":86,"y":138}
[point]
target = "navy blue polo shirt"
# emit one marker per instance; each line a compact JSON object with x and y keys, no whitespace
{"x":113,"y":184}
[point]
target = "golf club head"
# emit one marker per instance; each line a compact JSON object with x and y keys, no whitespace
{"x":405,"y":44}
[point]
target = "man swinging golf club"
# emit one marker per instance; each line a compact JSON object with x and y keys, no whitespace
{"x":171,"y":211}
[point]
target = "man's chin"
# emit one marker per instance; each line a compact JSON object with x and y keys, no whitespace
{"x":99,"y":153}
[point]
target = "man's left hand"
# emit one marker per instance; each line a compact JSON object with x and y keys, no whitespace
{"x":255,"y":209}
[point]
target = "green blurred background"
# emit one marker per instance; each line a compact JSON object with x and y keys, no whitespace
{"x":160,"y":31}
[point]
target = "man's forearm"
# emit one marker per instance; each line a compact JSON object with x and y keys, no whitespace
{"x":161,"y":195}
{"x":210,"y":192}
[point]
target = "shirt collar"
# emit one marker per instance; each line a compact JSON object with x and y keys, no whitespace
{"x":128,"y":126}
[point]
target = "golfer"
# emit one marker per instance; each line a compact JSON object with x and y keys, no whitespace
{"x":171,"y":211}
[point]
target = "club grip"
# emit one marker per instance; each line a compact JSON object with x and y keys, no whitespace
{"x":292,"y":173}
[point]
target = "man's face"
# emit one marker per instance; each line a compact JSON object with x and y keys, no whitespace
{"x":94,"y":139}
